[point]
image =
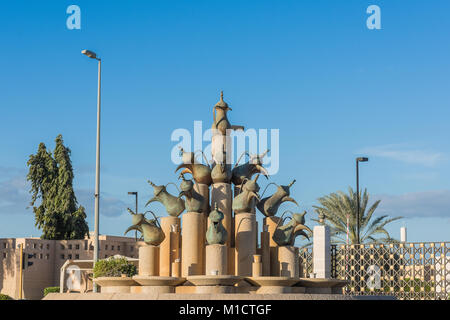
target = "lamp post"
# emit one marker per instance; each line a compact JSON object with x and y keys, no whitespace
{"x":93,"y":55}
{"x":135,"y":194}
{"x":358,"y":160}
{"x":136,"y":212}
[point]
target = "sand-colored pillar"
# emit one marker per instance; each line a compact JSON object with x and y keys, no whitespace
{"x":322,"y":252}
{"x":257,"y":266}
{"x":148,"y":260}
{"x":265,"y":251}
{"x":165,"y":253}
{"x":270,"y":224}
{"x":288,"y":261}
{"x":192,"y":248}
{"x":175,"y":243}
{"x":176,"y":268}
{"x":219,"y":144}
{"x":245,"y":224}
{"x":216,"y":259}
{"x":232,"y":260}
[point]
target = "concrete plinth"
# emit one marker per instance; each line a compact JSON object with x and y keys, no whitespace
{"x":115,"y":284}
{"x":192,"y":249}
{"x":216,"y":259}
{"x":170,"y":245}
{"x":288,"y":261}
{"x":148,"y":260}
{"x":321,"y":252}
{"x":245,"y":224}
{"x":152,"y":289}
{"x":273,"y":290}
{"x":215,"y":289}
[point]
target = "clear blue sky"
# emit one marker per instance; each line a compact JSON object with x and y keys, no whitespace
{"x":312,"y":69}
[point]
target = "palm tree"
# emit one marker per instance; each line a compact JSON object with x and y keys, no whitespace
{"x":339,"y":207}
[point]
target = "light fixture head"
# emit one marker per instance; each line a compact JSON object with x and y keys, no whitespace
{"x":362,"y":159}
{"x":90,"y":54}
{"x":132,"y":192}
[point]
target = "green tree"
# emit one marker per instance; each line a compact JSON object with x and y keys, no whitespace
{"x":58,"y":214}
{"x":337,"y":207}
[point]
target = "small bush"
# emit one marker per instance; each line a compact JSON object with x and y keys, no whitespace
{"x":114,"y":267}
{"x":51,"y":290}
{"x":5,"y":297}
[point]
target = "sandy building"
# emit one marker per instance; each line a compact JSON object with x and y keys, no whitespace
{"x":48,"y":257}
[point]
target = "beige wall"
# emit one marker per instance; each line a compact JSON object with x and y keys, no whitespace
{"x":49,"y":256}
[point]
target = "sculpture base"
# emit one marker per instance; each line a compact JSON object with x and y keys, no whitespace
{"x":210,"y":280}
{"x":115,"y":284}
{"x":152,"y":289}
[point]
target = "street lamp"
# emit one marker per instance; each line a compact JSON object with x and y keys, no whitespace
{"x":93,"y":55}
{"x":136,"y":212}
{"x":358,"y":160}
{"x":135,"y":194}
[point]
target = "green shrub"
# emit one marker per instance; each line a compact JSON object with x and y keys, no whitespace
{"x":114,"y":267}
{"x":51,"y":290}
{"x":5,"y":297}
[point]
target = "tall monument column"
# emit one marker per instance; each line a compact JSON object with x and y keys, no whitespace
{"x":193,"y":244}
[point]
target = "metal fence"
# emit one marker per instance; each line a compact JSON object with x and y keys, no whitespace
{"x":406,"y":270}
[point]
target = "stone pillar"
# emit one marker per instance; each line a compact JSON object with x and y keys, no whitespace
{"x":288,"y":261}
{"x":222,"y":195}
{"x":165,"y":253}
{"x":175,"y":243}
{"x":232,"y":261}
{"x":193,"y":235}
{"x":217,"y":146}
{"x":176,"y":268}
{"x":270,"y":224}
{"x":321,"y":252}
{"x":203,"y":189}
{"x":265,"y":251}
{"x":257,"y":266}
{"x":245,"y":224}
{"x":148,"y":260}
{"x":216,"y":259}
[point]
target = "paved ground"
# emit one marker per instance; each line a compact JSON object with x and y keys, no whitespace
{"x":178,"y":296}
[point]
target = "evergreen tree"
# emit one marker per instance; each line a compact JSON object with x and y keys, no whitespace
{"x":58,"y":214}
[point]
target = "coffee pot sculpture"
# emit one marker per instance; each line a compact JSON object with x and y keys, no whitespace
{"x":270,"y":205}
{"x":150,"y":229}
{"x":216,"y":233}
{"x":194,"y":200}
{"x":285,"y":235}
{"x":200,"y":172}
{"x":220,"y":120}
{"x":243,"y":202}
{"x":174,"y":205}
{"x":248,"y":169}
